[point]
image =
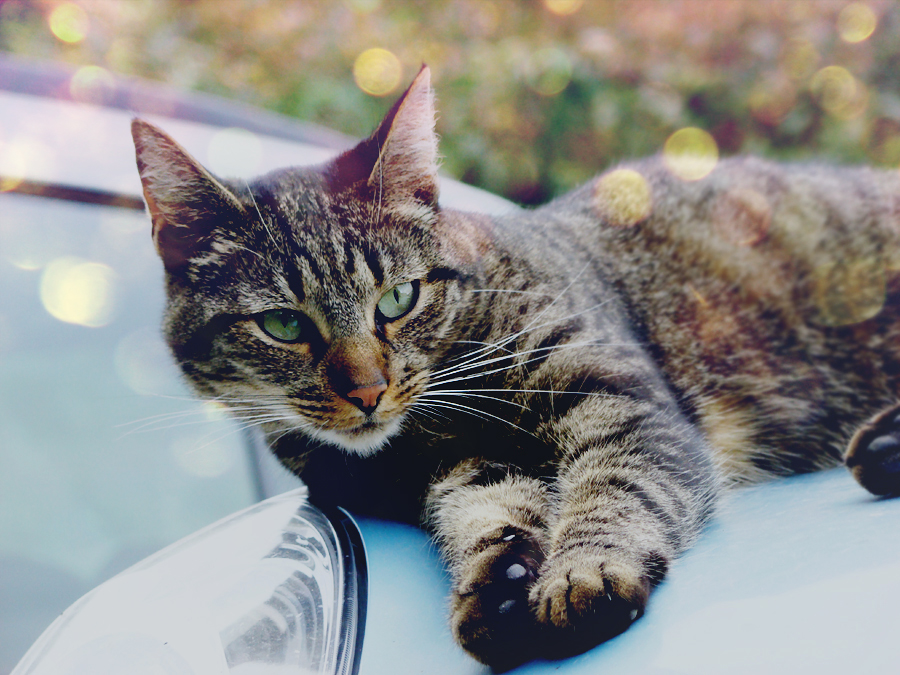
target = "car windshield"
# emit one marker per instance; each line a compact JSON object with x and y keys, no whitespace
{"x":106,"y":456}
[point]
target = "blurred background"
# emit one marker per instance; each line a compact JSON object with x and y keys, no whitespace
{"x":534,"y":96}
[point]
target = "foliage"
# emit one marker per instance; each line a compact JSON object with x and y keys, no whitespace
{"x":534,"y":97}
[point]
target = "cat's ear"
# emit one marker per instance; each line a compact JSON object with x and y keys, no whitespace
{"x":399,"y":162}
{"x":405,"y":174}
{"x":186,"y":202}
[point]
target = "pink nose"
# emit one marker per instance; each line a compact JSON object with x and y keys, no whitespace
{"x":366,"y":398}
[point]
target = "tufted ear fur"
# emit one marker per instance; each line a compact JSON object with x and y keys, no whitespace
{"x":186,"y":202}
{"x":398,"y":163}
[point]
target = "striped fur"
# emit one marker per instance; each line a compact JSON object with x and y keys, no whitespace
{"x":571,"y":387}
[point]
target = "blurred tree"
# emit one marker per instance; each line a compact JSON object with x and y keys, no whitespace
{"x":534,"y":96}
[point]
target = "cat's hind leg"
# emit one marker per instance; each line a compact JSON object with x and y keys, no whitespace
{"x":873,"y":454}
{"x":490,"y":524}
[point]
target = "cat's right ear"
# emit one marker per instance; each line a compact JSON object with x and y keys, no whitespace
{"x":397,"y":166}
{"x":186,"y":202}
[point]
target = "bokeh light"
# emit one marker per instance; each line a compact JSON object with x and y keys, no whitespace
{"x":640,"y":71}
{"x":850,"y":291}
{"x":856,"y":22}
{"x":364,"y":6}
{"x":69,"y":22}
{"x":839,"y":93}
{"x":9,"y":183}
{"x":377,"y":71}
{"x":623,"y":197}
{"x":772,"y":100}
{"x":691,"y":153}
{"x":78,"y":291}
{"x":91,"y":84}
{"x":549,"y":71}
{"x":21,"y":158}
{"x":234,"y":152}
{"x":26,"y":252}
{"x":29,"y":243}
{"x":121,"y":238}
{"x":887,"y":151}
{"x":202,"y":456}
{"x":800,"y":58}
{"x":563,"y":7}
{"x":144,"y":364}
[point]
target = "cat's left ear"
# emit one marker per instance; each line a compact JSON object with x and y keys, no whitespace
{"x":399,"y":162}
{"x":406,"y":173}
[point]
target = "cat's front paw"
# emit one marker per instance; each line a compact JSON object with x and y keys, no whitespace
{"x":873,"y":456}
{"x":490,"y":614}
{"x":584,"y":600}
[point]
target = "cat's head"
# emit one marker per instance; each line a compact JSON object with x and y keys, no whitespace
{"x":312,"y":299}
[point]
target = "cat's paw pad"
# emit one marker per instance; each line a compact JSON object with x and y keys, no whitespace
{"x":490,"y":615}
{"x":874,"y":454}
{"x":585,"y":602}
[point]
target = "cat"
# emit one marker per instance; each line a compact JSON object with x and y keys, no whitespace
{"x":559,"y":395}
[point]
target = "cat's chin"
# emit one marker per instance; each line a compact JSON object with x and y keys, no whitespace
{"x":363,"y":440}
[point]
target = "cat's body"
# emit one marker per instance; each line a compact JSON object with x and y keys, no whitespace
{"x":561,"y":393}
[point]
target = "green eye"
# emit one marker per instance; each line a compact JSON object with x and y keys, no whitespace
{"x":397,"y":301}
{"x":282,"y":324}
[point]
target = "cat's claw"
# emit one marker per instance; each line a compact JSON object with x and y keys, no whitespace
{"x":874,"y":454}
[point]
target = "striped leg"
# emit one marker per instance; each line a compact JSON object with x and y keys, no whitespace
{"x":490,"y":525}
{"x":627,"y":502}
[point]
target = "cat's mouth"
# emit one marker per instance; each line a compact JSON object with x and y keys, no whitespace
{"x":365,"y":438}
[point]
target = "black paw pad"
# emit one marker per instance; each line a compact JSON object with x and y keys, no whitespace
{"x":874,"y":456}
{"x":492,"y":618}
{"x":886,"y":451}
{"x":512,"y":574}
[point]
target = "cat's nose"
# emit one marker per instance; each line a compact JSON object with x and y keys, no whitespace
{"x":367,"y":398}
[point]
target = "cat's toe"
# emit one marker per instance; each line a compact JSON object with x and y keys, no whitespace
{"x":490,"y":616}
{"x":583,"y":603}
{"x":874,"y":454}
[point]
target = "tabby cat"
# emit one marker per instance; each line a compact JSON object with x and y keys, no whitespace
{"x":560,"y":394}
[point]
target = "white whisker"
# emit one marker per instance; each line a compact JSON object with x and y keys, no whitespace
{"x":300,"y":426}
{"x":453,"y":405}
{"x":426,"y":409}
{"x":453,"y":370}
{"x":469,"y":394}
{"x":510,"y":290}
{"x":450,"y":380}
{"x":262,"y":220}
{"x":491,"y":347}
{"x":249,"y":250}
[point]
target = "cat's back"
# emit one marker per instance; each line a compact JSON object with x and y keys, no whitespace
{"x":746,"y":215}
{"x":767,"y":293}
{"x":817,"y":246}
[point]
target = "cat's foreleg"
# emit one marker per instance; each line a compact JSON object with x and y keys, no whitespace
{"x":634,"y":487}
{"x":490,"y":524}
